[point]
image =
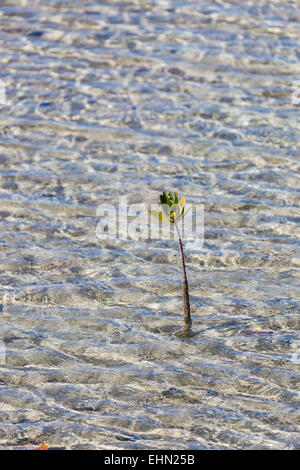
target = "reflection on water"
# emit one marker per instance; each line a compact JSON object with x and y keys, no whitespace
{"x":110,"y":98}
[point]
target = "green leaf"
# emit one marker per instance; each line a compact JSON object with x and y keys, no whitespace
{"x":166,"y":199}
{"x":183,"y":214}
{"x":166,"y":210}
{"x":182,"y":203}
{"x":158,"y":215}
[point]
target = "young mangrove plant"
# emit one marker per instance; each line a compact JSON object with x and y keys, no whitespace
{"x":172,"y":212}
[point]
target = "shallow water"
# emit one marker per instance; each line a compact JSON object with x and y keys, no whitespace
{"x":131,"y":98}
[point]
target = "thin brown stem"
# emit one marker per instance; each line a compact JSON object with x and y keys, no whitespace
{"x":185,"y":288}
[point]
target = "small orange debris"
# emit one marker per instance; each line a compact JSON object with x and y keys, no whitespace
{"x":43,"y":446}
{"x":255,"y":332}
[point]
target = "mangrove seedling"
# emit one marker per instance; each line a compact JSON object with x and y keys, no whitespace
{"x":172,"y":212}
